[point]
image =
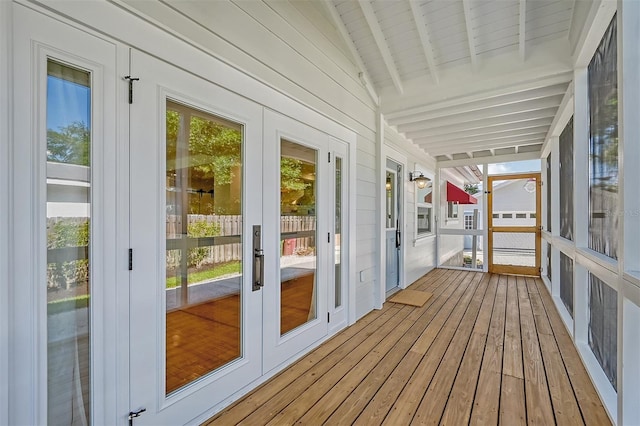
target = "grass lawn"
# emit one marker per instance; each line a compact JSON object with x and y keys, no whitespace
{"x":208,"y":274}
{"x":82,"y":301}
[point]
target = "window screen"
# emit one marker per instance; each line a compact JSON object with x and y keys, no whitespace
{"x":603,"y":320}
{"x":566,"y":282}
{"x":549,"y":261}
{"x":603,"y":146}
{"x":548,"y":185}
{"x":566,"y":181}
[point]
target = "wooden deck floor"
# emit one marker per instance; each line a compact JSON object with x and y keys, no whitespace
{"x":485,"y":350}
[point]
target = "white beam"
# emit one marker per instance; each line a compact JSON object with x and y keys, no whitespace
{"x":483,"y":145}
{"x":489,"y":160}
{"x":523,"y":28}
{"x":374,"y":26}
{"x":491,"y":130}
{"x":592,"y":31}
{"x":564,"y":113}
{"x":536,"y":133}
{"x":515,"y":121}
{"x":344,"y":33}
{"x":463,"y":105}
{"x":423,"y":32}
{"x":505,"y":110}
{"x":470,"y":33}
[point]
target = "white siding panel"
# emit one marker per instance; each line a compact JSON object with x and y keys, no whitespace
{"x":293,"y":73}
{"x":365,"y":173}
{"x":364,"y":202}
{"x":312,"y":11}
{"x":364,"y":298}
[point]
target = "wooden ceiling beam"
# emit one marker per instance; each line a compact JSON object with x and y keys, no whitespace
{"x":486,"y":113}
{"x":425,"y":40}
{"x":536,"y":131}
{"x":471,"y":39}
{"x":523,"y":29}
{"x":426,"y":113}
{"x":484,"y":131}
{"x":346,"y":37}
{"x":515,"y":121}
{"x":383,"y":48}
{"x":487,"y":145}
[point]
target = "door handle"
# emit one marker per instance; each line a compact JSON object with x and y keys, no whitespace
{"x":258,"y":259}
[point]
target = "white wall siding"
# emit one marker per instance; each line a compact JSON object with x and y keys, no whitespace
{"x":254,"y":45}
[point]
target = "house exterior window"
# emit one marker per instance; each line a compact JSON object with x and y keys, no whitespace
{"x":468,"y":221}
{"x":423,"y":221}
{"x":452,"y":209}
{"x":424,"y":209}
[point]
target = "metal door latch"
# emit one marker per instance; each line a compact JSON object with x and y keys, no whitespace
{"x":134,"y":414}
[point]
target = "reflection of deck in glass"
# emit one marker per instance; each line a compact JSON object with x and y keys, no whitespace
{"x":205,"y":335}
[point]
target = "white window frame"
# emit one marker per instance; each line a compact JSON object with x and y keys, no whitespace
{"x":450,"y":210}
{"x":421,"y":204}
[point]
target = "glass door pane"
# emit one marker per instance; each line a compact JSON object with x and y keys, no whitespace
{"x":298,"y":165}
{"x":204,"y":243}
{"x":337,"y":240}
{"x":68,"y":238}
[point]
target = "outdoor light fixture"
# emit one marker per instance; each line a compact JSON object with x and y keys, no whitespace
{"x":419,"y":178}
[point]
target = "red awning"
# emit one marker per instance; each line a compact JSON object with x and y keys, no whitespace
{"x":456,"y":194}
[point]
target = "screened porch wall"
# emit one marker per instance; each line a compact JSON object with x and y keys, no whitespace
{"x":591,"y":223}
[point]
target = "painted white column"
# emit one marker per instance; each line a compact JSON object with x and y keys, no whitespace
{"x":5,"y":172}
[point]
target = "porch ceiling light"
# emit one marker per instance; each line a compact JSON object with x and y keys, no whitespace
{"x":419,"y":178}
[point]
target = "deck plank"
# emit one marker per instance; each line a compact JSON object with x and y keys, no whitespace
{"x":435,"y":399}
{"x":512,"y":402}
{"x":347,"y":399}
{"x":448,"y":363}
{"x":512,"y":362}
{"x":376,"y":411}
{"x":538,"y":401}
{"x":460,"y":401}
{"x":319,"y":401}
{"x":591,"y":407}
{"x":487,"y":397}
{"x":405,"y":407}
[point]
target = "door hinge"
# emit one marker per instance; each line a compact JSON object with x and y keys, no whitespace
{"x":135,"y":414}
{"x":328,"y":317}
{"x":131,"y":80}
{"x":329,"y":157}
{"x":131,"y":259}
{"x":328,"y":237}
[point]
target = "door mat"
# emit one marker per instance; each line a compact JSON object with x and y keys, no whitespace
{"x":411,"y":297}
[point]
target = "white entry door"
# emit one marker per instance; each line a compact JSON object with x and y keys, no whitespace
{"x":196,"y":171}
{"x":297,"y":215}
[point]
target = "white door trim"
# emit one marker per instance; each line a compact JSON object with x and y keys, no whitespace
{"x":6,"y":129}
{"x":36,"y":37}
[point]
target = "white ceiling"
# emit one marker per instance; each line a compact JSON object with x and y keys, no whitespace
{"x":462,"y":78}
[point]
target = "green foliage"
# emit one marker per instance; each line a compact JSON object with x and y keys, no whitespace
{"x":68,"y":232}
{"x":197,"y":230}
{"x":291,"y":175}
{"x":214,"y":149}
{"x":471,"y":188}
{"x":69,"y":144}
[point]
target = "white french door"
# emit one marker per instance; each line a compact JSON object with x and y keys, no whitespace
{"x":231,"y":217}
{"x":297,"y":215}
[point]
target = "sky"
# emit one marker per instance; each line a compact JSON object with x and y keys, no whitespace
{"x":513,"y":167}
{"x":67,"y":102}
